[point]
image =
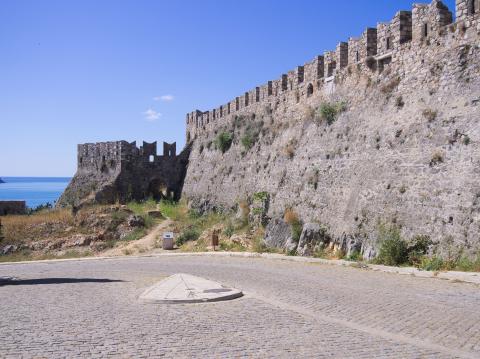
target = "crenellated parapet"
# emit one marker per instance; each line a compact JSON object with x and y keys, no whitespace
{"x":374,"y":50}
{"x":429,"y":19}
{"x":467,"y":10}
{"x":120,"y":171}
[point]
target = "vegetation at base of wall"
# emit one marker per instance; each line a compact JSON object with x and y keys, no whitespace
{"x":224,"y":141}
{"x":331,"y":254}
{"x":464,"y":264}
{"x":142,"y":207}
{"x":395,"y":251}
{"x":188,"y":234}
{"x":328,"y":112}
{"x":295,"y":223}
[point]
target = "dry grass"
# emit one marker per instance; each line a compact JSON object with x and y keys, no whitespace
{"x":17,"y":228}
{"x":289,"y":149}
{"x":290,"y":216}
{"x":390,"y":86}
{"x":309,"y":113}
{"x":61,"y":215}
{"x":437,"y":158}
{"x":244,"y":208}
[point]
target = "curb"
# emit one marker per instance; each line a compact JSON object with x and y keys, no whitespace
{"x":466,"y":277}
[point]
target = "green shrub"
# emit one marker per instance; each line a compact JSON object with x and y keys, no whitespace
{"x":329,"y":111}
{"x":170,"y":209}
{"x":229,"y":230}
{"x":417,"y":249}
{"x":249,"y":138}
{"x":247,"y":141}
{"x":432,"y":264}
{"x":134,"y":235}
{"x":224,"y":141}
{"x":393,"y":249}
{"x":188,"y":234}
{"x":140,"y":208}
{"x":260,"y":196}
{"x":467,"y":265}
{"x":297,"y":228}
{"x":355,"y":256}
{"x":295,"y":223}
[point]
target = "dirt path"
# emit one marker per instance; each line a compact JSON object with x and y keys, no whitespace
{"x":145,"y":244}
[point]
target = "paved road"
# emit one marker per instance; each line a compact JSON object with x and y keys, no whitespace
{"x":90,"y":309}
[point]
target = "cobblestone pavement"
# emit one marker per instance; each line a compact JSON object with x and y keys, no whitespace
{"x":91,"y":309}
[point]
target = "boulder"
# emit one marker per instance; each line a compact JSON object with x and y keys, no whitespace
{"x":135,"y":221}
{"x":155,"y":214}
{"x":8,"y":249}
{"x":78,"y":240}
{"x":313,"y":237}
{"x":278,"y":234}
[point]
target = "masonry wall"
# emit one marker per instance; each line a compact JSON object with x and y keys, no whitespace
{"x":119,"y":171}
{"x":12,"y":207}
{"x":405,"y":151}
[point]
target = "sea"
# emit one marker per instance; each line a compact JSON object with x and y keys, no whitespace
{"x":34,"y":190}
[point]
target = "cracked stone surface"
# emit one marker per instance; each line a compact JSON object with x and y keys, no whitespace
{"x":92,"y":309}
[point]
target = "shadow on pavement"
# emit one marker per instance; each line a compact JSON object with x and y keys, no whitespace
{"x":16,"y":281}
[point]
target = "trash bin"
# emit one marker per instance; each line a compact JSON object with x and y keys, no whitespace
{"x":167,"y":242}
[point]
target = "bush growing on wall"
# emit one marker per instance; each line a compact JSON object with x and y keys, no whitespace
{"x":248,"y":140}
{"x":224,"y":141}
{"x":329,"y":111}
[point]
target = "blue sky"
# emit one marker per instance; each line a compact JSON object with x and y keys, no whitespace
{"x":86,"y":71}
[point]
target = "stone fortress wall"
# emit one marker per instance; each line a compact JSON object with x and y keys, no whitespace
{"x":121,"y":171}
{"x":405,"y":151}
{"x":375,"y":48}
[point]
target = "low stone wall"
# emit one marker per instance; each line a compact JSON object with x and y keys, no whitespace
{"x":12,"y":207}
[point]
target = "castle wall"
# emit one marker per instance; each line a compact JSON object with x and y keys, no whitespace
{"x":120,"y":171}
{"x":405,"y":151}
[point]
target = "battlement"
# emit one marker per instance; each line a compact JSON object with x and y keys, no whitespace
{"x":375,"y":49}
{"x":120,"y":171}
{"x":109,"y":156}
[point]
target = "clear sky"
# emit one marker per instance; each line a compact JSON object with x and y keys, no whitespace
{"x":81,"y":71}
